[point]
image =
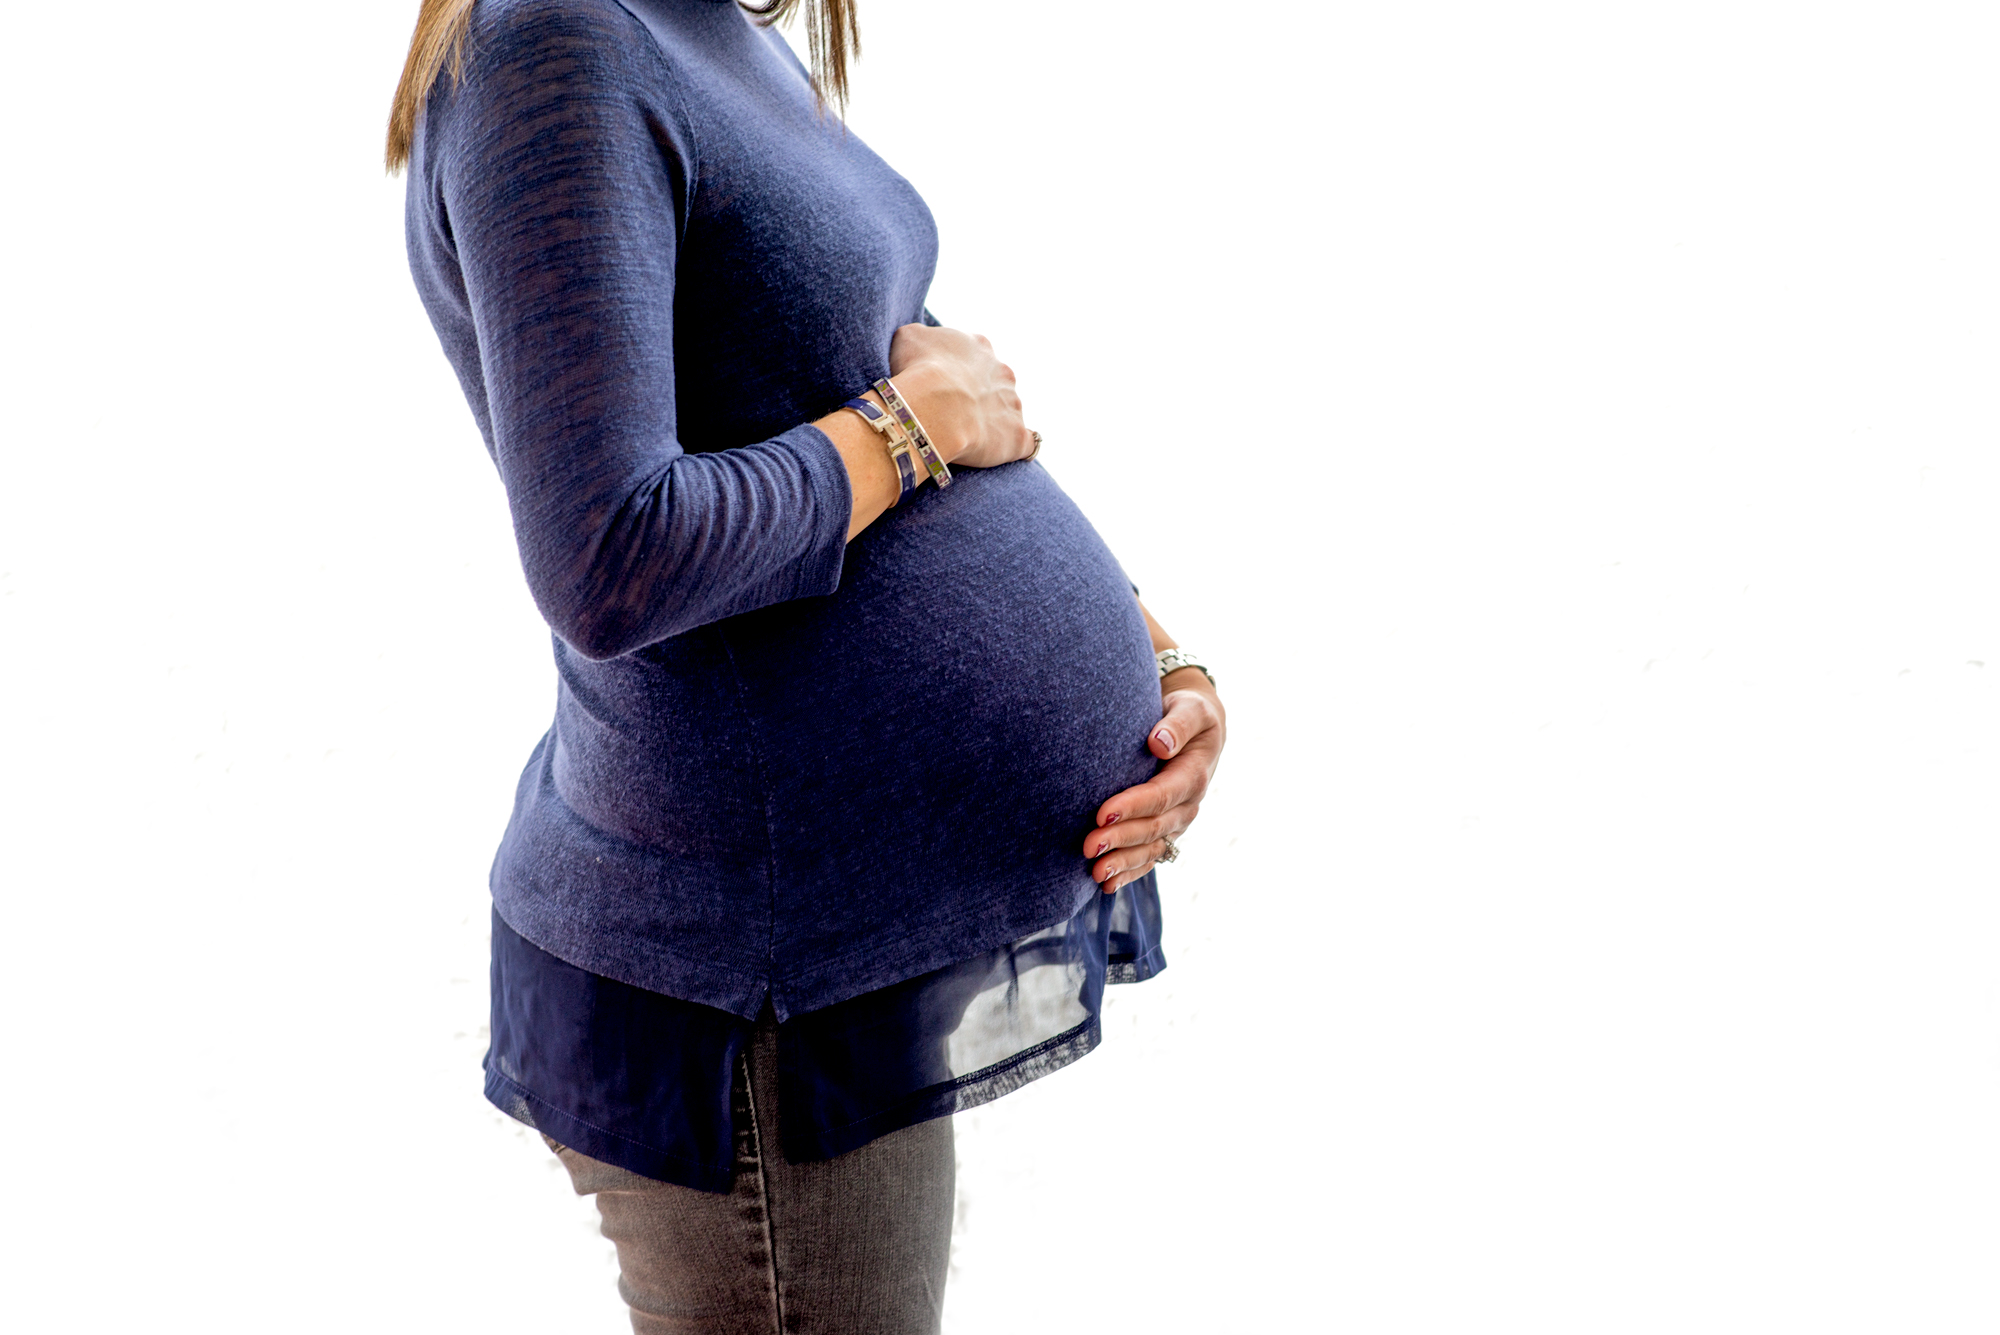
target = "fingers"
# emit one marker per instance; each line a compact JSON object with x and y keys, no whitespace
{"x":1133,"y":826}
{"x":990,"y":424}
{"x":1126,"y":849}
{"x":1141,"y":832}
{"x":1182,"y":779}
{"x":1126,"y":866}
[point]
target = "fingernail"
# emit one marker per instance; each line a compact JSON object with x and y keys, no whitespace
{"x":1164,"y":738}
{"x":1115,"y":818}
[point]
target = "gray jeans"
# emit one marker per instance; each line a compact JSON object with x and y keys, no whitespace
{"x":855,"y":1245}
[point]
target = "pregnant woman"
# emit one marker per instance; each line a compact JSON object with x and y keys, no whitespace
{"x":864,"y":749}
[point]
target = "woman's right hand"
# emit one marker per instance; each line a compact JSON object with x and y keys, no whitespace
{"x":962,"y":393}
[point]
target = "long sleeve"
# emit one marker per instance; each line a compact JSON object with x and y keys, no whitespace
{"x":561,"y":172}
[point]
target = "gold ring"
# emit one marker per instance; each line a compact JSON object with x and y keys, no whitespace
{"x":1038,"y":444}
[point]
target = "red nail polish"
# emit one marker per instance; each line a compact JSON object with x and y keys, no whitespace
{"x":1115,"y":818}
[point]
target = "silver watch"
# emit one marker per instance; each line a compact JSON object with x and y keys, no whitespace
{"x":1173,"y":660}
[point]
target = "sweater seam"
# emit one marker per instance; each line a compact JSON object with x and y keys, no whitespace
{"x":687,"y":126}
{"x":770,"y":817}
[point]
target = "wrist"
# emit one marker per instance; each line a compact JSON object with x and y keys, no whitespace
{"x":1187,"y":679}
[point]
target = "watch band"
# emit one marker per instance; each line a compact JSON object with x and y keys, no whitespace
{"x":1173,"y":660}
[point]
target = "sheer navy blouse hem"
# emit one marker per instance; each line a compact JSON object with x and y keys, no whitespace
{"x":954,"y":1096}
{"x":642,"y":1080}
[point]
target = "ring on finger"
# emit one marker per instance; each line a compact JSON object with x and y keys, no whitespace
{"x":1173,"y":850}
{"x":1038,"y":445}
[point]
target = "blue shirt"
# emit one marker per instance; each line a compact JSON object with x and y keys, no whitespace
{"x":652,"y":262}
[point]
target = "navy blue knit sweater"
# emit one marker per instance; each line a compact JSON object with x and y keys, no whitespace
{"x":782,"y":765}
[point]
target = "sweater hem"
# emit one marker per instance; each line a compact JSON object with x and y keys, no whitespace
{"x":708,"y":983}
{"x":806,"y":992}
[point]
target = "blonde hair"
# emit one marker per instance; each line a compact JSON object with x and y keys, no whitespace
{"x":832,"y":39}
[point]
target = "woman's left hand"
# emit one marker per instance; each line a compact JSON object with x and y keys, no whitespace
{"x":1133,"y":827}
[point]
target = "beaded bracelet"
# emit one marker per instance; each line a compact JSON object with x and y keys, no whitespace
{"x":898,"y":441}
{"x":940,"y":471}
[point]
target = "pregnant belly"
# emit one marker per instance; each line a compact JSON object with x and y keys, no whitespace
{"x":981,"y":682}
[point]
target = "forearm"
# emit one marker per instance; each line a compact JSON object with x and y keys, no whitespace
{"x":1161,"y":640}
{"x":1180,"y":678}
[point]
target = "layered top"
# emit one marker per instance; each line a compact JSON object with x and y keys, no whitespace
{"x":781,"y":765}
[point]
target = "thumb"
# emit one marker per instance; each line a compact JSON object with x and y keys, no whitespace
{"x":1184,"y":719}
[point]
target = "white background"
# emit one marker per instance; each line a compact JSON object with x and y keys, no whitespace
{"x":1569,"y":429}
